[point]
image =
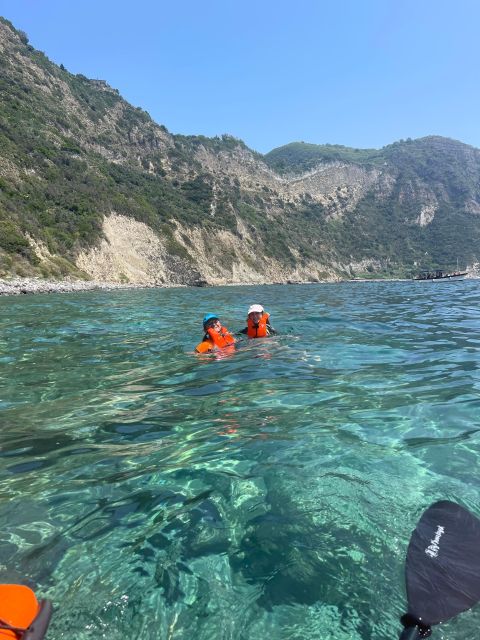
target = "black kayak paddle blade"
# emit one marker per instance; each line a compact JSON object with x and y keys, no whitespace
{"x":443,"y":564}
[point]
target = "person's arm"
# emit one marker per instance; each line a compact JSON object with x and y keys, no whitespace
{"x":270,"y":330}
{"x":229,"y":337}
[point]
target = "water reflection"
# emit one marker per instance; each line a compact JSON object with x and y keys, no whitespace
{"x":271,"y":490}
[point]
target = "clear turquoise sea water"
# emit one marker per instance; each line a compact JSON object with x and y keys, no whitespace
{"x":152,"y":493}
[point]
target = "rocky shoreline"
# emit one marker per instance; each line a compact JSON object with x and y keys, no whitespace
{"x":19,"y":286}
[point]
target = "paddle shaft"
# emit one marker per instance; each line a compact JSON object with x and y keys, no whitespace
{"x":412,"y":633}
{"x":413,"y":629}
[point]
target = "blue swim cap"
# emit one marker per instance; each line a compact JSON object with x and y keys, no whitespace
{"x":209,"y":316}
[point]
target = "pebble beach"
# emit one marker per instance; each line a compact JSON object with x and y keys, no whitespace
{"x":19,"y":286}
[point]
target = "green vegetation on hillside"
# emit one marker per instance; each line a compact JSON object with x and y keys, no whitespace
{"x":72,"y":151}
{"x":225,"y":142}
{"x":298,"y":157}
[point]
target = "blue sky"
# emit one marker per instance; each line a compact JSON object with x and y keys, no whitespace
{"x":361,"y":73}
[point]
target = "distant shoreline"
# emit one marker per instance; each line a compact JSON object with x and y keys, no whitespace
{"x":31,"y":286}
{"x":19,"y":286}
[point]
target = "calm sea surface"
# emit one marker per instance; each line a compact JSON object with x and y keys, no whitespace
{"x":271,"y":493}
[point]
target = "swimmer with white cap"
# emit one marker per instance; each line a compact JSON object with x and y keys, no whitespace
{"x":258,"y":323}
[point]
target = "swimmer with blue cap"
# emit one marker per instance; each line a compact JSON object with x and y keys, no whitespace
{"x":216,"y":336}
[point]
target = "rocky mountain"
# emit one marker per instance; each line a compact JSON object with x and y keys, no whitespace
{"x":91,"y":187}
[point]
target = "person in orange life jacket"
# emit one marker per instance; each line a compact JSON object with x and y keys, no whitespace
{"x":216,"y":336}
{"x":258,"y":323}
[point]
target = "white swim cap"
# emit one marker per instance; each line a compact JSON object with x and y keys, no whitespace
{"x":255,"y":308}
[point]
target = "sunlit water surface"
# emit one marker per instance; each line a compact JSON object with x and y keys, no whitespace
{"x":270,"y":493}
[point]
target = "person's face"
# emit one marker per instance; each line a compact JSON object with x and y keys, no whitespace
{"x":255,"y":316}
{"x":215,"y":325}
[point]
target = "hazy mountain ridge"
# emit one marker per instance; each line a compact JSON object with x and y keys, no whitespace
{"x":82,"y":171}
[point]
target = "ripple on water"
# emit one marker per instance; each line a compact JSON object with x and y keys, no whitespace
{"x":270,"y":492}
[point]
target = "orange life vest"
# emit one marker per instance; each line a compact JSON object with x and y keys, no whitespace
{"x":20,"y":613}
{"x":260,"y":330}
{"x":214,"y":339}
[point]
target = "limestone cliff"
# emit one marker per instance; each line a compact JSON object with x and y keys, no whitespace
{"x":92,"y":187}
